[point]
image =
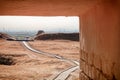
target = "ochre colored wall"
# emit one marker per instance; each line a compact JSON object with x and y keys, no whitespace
{"x":100,"y":42}
{"x":45,"y":7}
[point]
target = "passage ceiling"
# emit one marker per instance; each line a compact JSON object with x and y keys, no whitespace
{"x":45,"y":7}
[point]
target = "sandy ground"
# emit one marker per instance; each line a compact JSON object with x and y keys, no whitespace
{"x":32,"y":66}
{"x":66,"y":48}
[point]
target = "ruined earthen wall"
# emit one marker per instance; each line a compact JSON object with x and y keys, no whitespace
{"x":100,"y":42}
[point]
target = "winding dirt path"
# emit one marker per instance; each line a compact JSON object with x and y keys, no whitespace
{"x":65,"y":73}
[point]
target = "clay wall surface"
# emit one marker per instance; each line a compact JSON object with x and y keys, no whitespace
{"x":100,"y":42}
{"x":45,"y":7}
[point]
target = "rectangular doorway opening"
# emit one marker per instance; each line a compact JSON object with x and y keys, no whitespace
{"x":49,"y":45}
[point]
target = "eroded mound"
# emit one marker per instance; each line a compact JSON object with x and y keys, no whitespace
{"x":53,"y":36}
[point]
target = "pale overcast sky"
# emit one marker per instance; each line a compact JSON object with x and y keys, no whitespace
{"x":35,"y":23}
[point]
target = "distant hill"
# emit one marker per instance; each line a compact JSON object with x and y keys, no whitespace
{"x":0,"y":36}
{"x":5,"y":36}
{"x":53,"y":36}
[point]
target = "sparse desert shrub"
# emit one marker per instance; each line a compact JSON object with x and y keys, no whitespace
{"x":6,"y":60}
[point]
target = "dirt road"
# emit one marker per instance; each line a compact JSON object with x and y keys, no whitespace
{"x":63,"y":75}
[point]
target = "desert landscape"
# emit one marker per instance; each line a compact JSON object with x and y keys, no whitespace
{"x":19,"y":63}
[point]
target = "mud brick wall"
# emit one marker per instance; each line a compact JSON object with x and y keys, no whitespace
{"x":100,"y":42}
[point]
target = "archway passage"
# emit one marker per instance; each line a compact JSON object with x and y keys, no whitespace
{"x":99,"y":39}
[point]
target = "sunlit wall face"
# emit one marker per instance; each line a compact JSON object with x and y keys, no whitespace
{"x":35,"y":23}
